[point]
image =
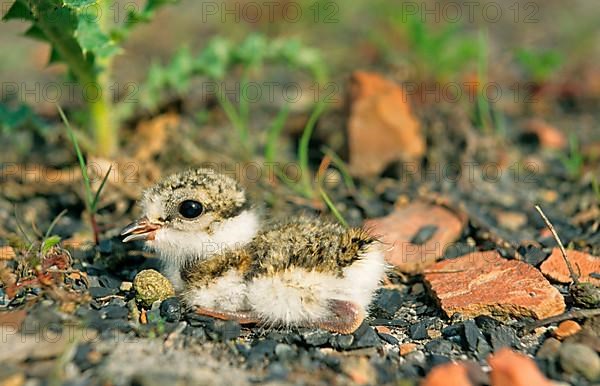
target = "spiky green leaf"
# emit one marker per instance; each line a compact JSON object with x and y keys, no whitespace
{"x":34,"y":32}
{"x":78,"y":4}
{"x":92,"y":39}
{"x":19,"y":11}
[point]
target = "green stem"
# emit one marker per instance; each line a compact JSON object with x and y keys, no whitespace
{"x":244,"y":104}
{"x":101,"y":110}
{"x":100,"y":107}
{"x":303,"y":148}
{"x":105,"y":133}
{"x":235,"y":120}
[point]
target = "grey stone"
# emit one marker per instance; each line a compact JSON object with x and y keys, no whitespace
{"x":341,"y":342}
{"x":580,"y":359}
{"x":316,"y":337}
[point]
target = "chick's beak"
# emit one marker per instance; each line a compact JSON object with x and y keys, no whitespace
{"x":142,"y":229}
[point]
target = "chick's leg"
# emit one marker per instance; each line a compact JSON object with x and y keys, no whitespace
{"x":242,"y":317}
{"x":345,"y":319}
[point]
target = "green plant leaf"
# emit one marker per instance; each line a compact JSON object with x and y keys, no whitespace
{"x":78,"y":4}
{"x":303,"y":146}
{"x":274,"y":132}
{"x":92,"y":39}
{"x":18,"y":11}
{"x":94,"y":205}
{"x":143,"y":16}
{"x":34,"y":32}
{"x":251,"y":51}
{"x":12,"y":119}
{"x":215,"y":59}
{"x":334,"y":210}
{"x":82,"y":163}
{"x":48,"y":243}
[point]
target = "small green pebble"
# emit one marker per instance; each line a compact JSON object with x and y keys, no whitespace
{"x":150,"y":286}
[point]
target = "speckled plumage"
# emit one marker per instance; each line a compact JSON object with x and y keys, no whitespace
{"x":230,"y":264}
{"x":304,"y":242}
{"x":220,"y":194}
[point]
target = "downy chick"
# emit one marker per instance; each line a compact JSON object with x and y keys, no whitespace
{"x":229,"y":264}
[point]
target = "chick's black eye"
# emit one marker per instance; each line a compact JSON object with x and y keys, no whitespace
{"x":190,"y":209}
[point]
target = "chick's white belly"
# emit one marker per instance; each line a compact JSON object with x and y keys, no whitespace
{"x":297,"y":295}
{"x":226,"y":293}
{"x":294,"y":296}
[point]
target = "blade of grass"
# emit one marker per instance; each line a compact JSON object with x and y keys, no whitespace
{"x":332,"y":207}
{"x":20,"y":227}
{"x":244,"y":101}
{"x":290,"y":183}
{"x":236,"y":121}
{"x":325,"y":162}
{"x":274,"y":132}
{"x":303,"y":147}
{"x":99,"y":191}
{"x":54,"y":222}
{"x":341,"y":166}
{"x":82,"y":164}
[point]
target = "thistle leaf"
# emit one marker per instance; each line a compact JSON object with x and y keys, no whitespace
{"x":18,"y":11}
{"x":78,"y":4}
{"x":36,"y":33}
{"x":92,"y":39}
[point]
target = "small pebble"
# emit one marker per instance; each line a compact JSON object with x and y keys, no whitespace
{"x":115,"y":312}
{"x":433,"y":333}
{"x":170,"y":309}
{"x":365,"y":337}
{"x":126,"y":286}
{"x":284,"y":351}
{"x":417,"y":289}
{"x":439,"y":346}
{"x":315,"y":337}
{"x":579,"y":358}
{"x":389,"y":339}
{"x":417,"y":357}
{"x":566,"y":329}
{"x":436,"y":360}
{"x":535,"y":256}
{"x":225,"y":330}
{"x":419,"y":331}
{"x":262,"y":350}
{"x":386,"y":303}
{"x":101,"y":292}
{"x":109,"y":281}
{"x":407,"y":348}
{"x":341,"y":342}
{"x":474,"y":339}
{"x":424,"y":234}
{"x":452,"y":330}
{"x":503,"y":336}
{"x":549,"y":349}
